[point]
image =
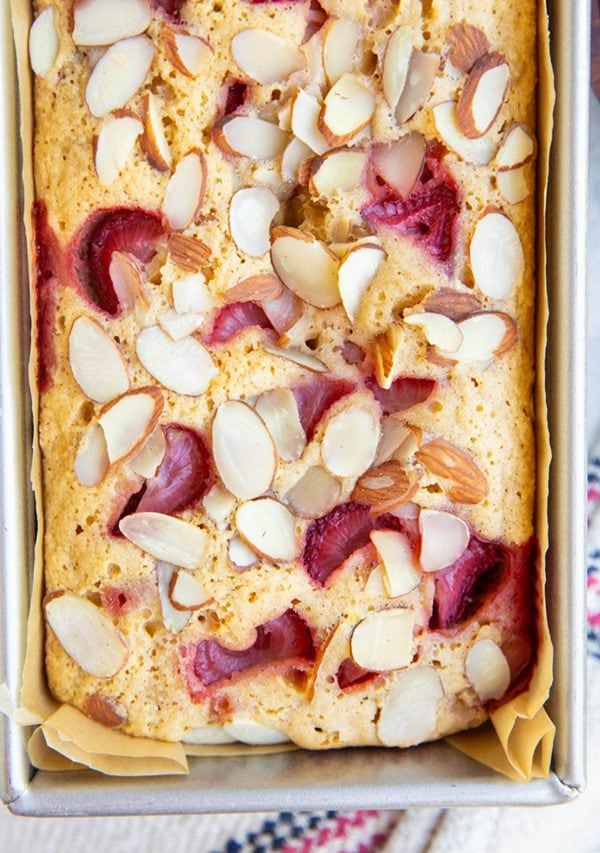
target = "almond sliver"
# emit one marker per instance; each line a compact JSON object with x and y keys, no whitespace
{"x":166,"y":538}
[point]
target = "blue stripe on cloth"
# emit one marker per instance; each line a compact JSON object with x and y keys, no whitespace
{"x":276,"y":833}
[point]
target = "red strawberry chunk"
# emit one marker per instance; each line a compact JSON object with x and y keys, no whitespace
{"x":234,"y":318}
{"x":405,"y":392}
{"x":282,"y":312}
{"x":235,"y":96}
{"x":315,"y":19}
{"x":120,"y":600}
{"x":350,"y":674}
{"x":331,"y":539}
{"x":171,"y":7}
{"x":122,"y":229}
{"x":285,"y":637}
{"x":315,"y":398}
{"x":49,"y":267}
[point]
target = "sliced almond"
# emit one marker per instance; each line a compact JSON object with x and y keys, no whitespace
{"x":384,"y":640}
{"x":385,"y":349}
{"x":302,"y":359}
{"x":182,"y":366}
{"x":479,"y":151}
{"x":279,"y":411}
{"x":385,"y":487}
{"x":106,"y":21}
{"x":455,"y":304}
{"x":146,"y":461}
{"x":251,"y":212}
{"x":496,"y":255}
{"x":514,"y":185}
{"x":43,"y":42}
{"x":444,"y":537}
{"x":127,"y":280}
{"x":337,"y":171}
{"x":179,"y":326}
{"x":347,"y":109}
{"x":128,"y":421}
{"x":219,"y":504}
{"x":86,"y":634}
{"x":488,"y":671}
{"x":96,"y":361}
{"x":174,"y":620}
{"x":398,"y":439}
{"x":341,"y":39}
{"x":305,"y":111}
{"x":188,"y":253}
{"x":191,"y":295}
{"x":256,"y":288}
{"x":395,"y":64}
{"x":409,"y":713}
{"x":207,"y":736}
{"x":265,"y":57}
{"x":114,"y":146}
{"x":243,"y":450}
{"x":247,"y":136}
{"x":91,"y":462}
{"x":240,"y":554}
{"x":105,"y":710}
{"x":255,"y":734}
{"x":154,"y":142}
{"x":356,"y":272}
{"x":467,"y":44}
{"x":186,"y":592}
{"x":269,"y":528}
{"x":315,"y":493}
{"x":350,"y":441}
{"x":185,"y":191}
{"x":400,"y":163}
{"x":306,"y":266}
{"x":422,"y":69}
{"x":374,"y":586}
{"x":482,"y":95}
{"x":486,"y":335}
{"x":293,"y":157}
{"x":401,"y":575}
{"x":189,"y":54}
{"x":118,"y":74}
{"x":466,"y":483}
{"x":516,"y":149}
{"x":438,"y":329}
{"x":166,"y":538}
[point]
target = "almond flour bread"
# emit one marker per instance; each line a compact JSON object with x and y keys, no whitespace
{"x":284,"y":323}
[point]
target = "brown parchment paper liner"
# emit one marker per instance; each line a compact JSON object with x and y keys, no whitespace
{"x":517,"y":740}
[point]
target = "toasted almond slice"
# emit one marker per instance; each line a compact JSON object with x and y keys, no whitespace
{"x":240,"y":554}
{"x":114,"y":146}
{"x":385,"y":487}
{"x":191,"y":295}
{"x":306,"y":266}
{"x":302,"y":359}
{"x":106,"y":21}
{"x":251,"y":212}
{"x":516,"y":149}
{"x":488,"y":671}
{"x":154,"y":142}
{"x":265,"y":57}
{"x":243,"y":450}
{"x":293,"y":157}
{"x":485,"y":335}
{"x":347,"y":108}
{"x":394,"y":435}
{"x":385,"y":348}
{"x":439,"y":330}
{"x":255,"y":734}
{"x":374,"y":586}
{"x":105,"y":710}
{"x":185,"y":191}
{"x":409,"y":713}
{"x":189,"y":54}
{"x":269,"y":528}
{"x":337,"y":171}
{"x":422,"y":69}
{"x":174,"y":620}
{"x":284,"y":116}
{"x":256,"y":288}
{"x":395,"y":64}
{"x":91,"y":462}
{"x":350,"y":441}
{"x":118,"y":75}
{"x":467,"y":44}
{"x":182,"y":366}
{"x":128,"y":421}
{"x":401,"y":575}
{"x":384,"y":640}
{"x":514,"y":185}
{"x":96,"y":361}
{"x":400,"y":163}
{"x":496,"y":255}
{"x":467,"y":484}
{"x":305,"y":111}
{"x":279,"y":411}
{"x":454,"y":303}
{"x":146,"y":461}
{"x":179,"y":326}
{"x":341,"y":39}
{"x":313,"y":53}
{"x":444,"y":537}
{"x":315,"y":493}
{"x":356,"y":272}
{"x":188,"y":253}
{"x":207,"y":736}
{"x":86,"y":634}
{"x":166,"y":538}
{"x":186,"y":592}
{"x":247,"y":136}
{"x":482,"y":95}
{"x":479,"y":151}
{"x":219,"y":504}
{"x":43,"y":42}
{"x":127,"y":280}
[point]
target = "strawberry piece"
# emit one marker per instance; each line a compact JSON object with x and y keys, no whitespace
{"x":49,"y":268}
{"x":234,"y":318}
{"x":405,"y":392}
{"x":315,"y":18}
{"x":352,"y":353}
{"x":331,"y":539}
{"x":285,"y":637}
{"x":315,"y":398}
{"x":234,"y":96}
{"x":121,"y":229}
{"x":172,"y":8}
{"x":120,"y":600}
{"x":350,"y":674}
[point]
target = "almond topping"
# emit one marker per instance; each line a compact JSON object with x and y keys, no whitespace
{"x":185,"y":191}
{"x":482,"y":95}
{"x":189,"y":54}
{"x":247,"y":136}
{"x":118,"y":74}
{"x":485,"y":335}
{"x":350,"y":441}
{"x":179,"y":326}
{"x":114,"y":146}
{"x":387,"y":486}
{"x":395,"y":64}
{"x":337,"y":171}
{"x":91,"y":462}
{"x":444,"y":538}
{"x":305,"y":111}
{"x":128,"y":421}
{"x":356,"y":272}
{"x":302,"y":359}
{"x":269,"y":528}
{"x":384,"y":349}
{"x":251,"y":212}
{"x":421,"y":73}
{"x":517,"y":148}
{"x":346,"y":110}
{"x":295,"y":154}
{"x":398,"y":440}
{"x":315,"y":493}
{"x":166,"y":538}
{"x":401,"y":575}
{"x":455,"y":304}
{"x":146,"y":461}
{"x":488,"y":671}
{"x":514,"y":185}
{"x":306,"y":266}
{"x":43,"y":42}
{"x":243,"y":450}
{"x":154,"y":143}
{"x":384,"y":640}
{"x":127,"y":280}
{"x":188,"y":253}
{"x":240,"y":554}
{"x":496,"y":255}
{"x":191,"y":295}
{"x":174,"y":620}
{"x":219,"y":504}
{"x":409,"y":713}
{"x":186,"y":592}
{"x":265,"y":57}
{"x":105,"y":710}
{"x":279,"y":411}
{"x":466,"y":483}
{"x":264,"y":285}
{"x":97,"y":22}
{"x":479,"y":151}
{"x":438,"y":329}
{"x":467,"y":44}
{"x":182,"y":366}
{"x":341,"y":39}
{"x":400,"y":163}
{"x":96,"y":361}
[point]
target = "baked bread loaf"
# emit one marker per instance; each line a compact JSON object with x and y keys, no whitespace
{"x":284,"y":341}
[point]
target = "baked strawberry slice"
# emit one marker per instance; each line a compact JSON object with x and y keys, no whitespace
{"x":283,"y":638}
{"x":315,"y":398}
{"x":331,"y":539}
{"x":123,"y":229}
{"x":234,"y":318}
{"x":120,"y":600}
{"x":49,"y":264}
{"x":405,"y":392}
{"x":233,"y":96}
{"x":172,"y":8}
{"x":350,"y":674}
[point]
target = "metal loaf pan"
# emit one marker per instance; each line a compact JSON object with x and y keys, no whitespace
{"x":432,"y":775}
